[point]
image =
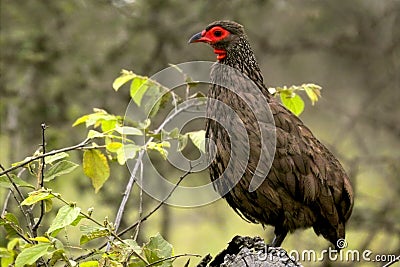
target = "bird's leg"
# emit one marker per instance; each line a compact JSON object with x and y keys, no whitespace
{"x":280,"y":235}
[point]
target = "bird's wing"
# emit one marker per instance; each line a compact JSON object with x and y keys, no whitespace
{"x":308,"y":170}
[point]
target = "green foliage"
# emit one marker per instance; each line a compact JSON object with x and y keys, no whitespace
{"x":198,"y":138}
{"x":95,"y":166}
{"x":158,"y":249}
{"x":30,"y":255}
{"x":66,"y":215}
{"x":36,"y":196}
{"x":60,"y":168}
{"x":292,"y":100}
{"x":5,"y":182}
{"x":143,"y":88}
{"x":109,"y":138}
{"x":90,"y":232}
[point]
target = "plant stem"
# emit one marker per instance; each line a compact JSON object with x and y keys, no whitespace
{"x":80,"y":145}
{"x":41,"y":181}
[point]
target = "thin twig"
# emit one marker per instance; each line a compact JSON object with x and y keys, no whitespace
{"x":159,"y":204}
{"x":41,"y":181}
{"x":51,"y":153}
{"x":4,"y":210}
{"x":29,"y":219}
{"x":173,"y":257}
{"x":140,"y":212}
{"x":12,"y":183}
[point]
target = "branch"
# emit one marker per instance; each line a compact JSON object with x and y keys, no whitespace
{"x":51,"y":153}
{"x":29,"y":219}
{"x":140,"y":212}
{"x":17,"y":230}
{"x":41,"y":181}
{"x":13,"y":184}
{"x":4,"y":210}
{"x":159,"y":204}
{"x":131,"y":181}
{"x":172,"y":258}
{"x":111,"y":232}
{"x":82,"y":257}
{"x":44,"y":152}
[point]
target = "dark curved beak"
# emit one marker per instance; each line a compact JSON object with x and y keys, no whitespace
{"x":195,"y":38}
{"x":200,"y":37}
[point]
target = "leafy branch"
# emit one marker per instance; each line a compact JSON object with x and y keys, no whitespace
{"x":292,"y":100}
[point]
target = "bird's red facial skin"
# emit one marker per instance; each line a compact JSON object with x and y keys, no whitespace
{"x":214,"y":35}
{"x":221,"y":54}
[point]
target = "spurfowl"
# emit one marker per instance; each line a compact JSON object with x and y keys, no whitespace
{"x":305,"y":185}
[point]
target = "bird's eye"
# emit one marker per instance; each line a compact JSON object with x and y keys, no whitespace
{"x":218,"y":33}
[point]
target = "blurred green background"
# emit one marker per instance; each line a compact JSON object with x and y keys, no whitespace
{"x":59,"y":59}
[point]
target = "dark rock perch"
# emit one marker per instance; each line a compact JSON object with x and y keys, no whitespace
{"x":245,"y":251}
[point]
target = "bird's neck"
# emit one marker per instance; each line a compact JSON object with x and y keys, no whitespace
{"x":241,"y":57}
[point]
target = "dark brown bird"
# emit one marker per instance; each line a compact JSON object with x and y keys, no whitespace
{"x":306,"y":186}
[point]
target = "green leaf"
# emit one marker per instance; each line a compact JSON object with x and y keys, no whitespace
{"x":182,"y":141}
{"x":114,"y":146}
{"x":198,"y":138}
{"x":125,"y":77}
{"x":160,"y":147}
{"x":158,"y":248}
{"x":127,"y":152}
{"x":65,"y":216}
{"x":80,"y":120}
{"x":30,"y":255}
{"x":313,"y":92}
{"x":92,"y":232}
{"x":37,"y":196}
{"x":95,"y":118}
{"x":58,"y":169}
{"x":5,"y":182}
{"x":108,"y":125}
{"x":56,"y":255}
{"x":143,"y":125}
{"x":40,"y":239}
{"x":156,"y":96}
{"x":127,"y":130}
{"x":58,"y":156}
{"x":9,"y":217}
{"x":293,"y":102}
{"x":48,"y":205}
{"x":7,"y":257}
{"x":95,"y":166}
{"x":94,"y":134}
{"x":12,"y":244}
{"x":89,"y":264}
{"x":174,"y":133}
{"x":7,"y":220}
{"x":77,"y":220}
{"x":138,"y":88}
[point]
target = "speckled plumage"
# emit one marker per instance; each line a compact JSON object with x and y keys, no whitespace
{"x":306,"y":185}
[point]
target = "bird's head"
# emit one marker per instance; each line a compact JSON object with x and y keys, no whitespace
{"x":221,"y":35}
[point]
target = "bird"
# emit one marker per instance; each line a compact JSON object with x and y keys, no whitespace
{"x":305,"y":186}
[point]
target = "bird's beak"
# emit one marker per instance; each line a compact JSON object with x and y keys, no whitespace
{"x":199,"y":37}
